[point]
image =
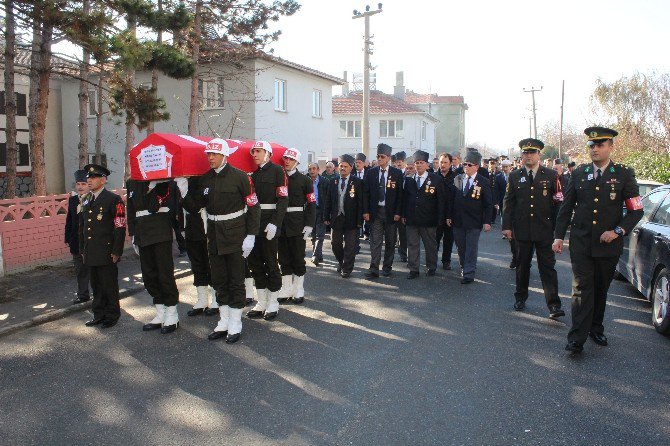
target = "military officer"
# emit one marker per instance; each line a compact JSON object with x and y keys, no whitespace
{"x":102,"y":233}
{"x":272,"y":190}
{"x":382,"y":203}
{"x":400,"y":163}
{"x":344,"y":211}
{"x":424,"y":200}
{"x":150,"y":226}
{"x":596,"y":194}
{"x":528,"y":217}
{"x":233,"y":220}
{"x":195,"y":241}
{"x":296,"y":229}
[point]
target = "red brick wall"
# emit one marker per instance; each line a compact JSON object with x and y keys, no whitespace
{"x":32,"y":231}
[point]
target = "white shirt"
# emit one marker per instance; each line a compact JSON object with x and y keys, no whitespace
{"x":220,"y":168}
{"x":423,"y":178}
{"x":360,"y":173}
{"x":467,"y":179}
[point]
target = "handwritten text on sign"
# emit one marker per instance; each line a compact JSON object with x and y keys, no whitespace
{"x":153,"y":159}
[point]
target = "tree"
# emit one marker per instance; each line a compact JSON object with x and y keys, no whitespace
{"x":550,"y":134}
{"x":10,"y":101}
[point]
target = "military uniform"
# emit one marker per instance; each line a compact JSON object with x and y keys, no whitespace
{"x":528,"y":211}
{"x":300,"y":216}
{"x":150,"y":225}
{"x":597,"y":199}
{"x":102,"y":233}
{"x":233,"y":217}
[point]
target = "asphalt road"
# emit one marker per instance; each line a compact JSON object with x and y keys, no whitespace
{"x":388,"y":362}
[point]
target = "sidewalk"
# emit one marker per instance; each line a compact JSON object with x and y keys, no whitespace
{"x":46,"y":293}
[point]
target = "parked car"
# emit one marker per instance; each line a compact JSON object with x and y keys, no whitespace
{"x":647,"y":186}
{"x":645,"y":261}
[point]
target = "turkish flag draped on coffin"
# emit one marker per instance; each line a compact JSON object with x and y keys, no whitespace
{"x":163,"y":155}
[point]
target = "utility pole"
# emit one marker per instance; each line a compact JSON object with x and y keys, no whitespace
{"x":365,"y":125}
{"x":560,"y":138}
{"x":532,"y":92}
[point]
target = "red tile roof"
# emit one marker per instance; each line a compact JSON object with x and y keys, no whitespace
{"x":416,"y":98}
{"x":380,"y":104}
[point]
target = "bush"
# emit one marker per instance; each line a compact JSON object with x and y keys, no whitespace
{"x":650,"y":165}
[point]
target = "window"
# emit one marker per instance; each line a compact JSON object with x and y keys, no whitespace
{"x":662,"y":215}
{"x":23,"y":159}
{"x":21,"y":107}
{"x":311,"y":157}
{"x":316,"y":103}
{"x":350,"y":129}
{"x":423,"y":130}
{"x":280,"y":95}
{"x":211,"y":92}
{"x":649,"y":203}
{"x":390,"y":128}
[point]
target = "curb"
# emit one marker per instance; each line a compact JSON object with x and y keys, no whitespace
{"x":60,"y":313}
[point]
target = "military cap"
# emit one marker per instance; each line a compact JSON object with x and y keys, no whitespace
{"x":293,"y":153}
{"x":600,"y":133}
{"x":531,"y":144}
{"x":96,"y":170}
{"x":80,"y":176}
{"x":572,"y":164}
{"x":473,"y":157}
{"x":400,"y":156}
{"x":420,"y":155}
{"x":360,"y":157}
{"x":384,"y":149}
{"x":346,"y":158}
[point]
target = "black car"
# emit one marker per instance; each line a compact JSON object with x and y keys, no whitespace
{"x":645,"y":261}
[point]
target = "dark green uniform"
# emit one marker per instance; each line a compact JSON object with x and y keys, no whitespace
{"x":597,"y":204}
{"x":102,"y":232}
{"x":528,"y":211}
{"x":150,"y":223}
{"x":196,"y":241}
{"x":272,"y":190}
{"x":301,"y":212}
{"x":233,"y":213}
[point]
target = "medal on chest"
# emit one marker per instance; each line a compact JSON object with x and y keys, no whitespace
{"x":99,"y":217}
{"x":476,"y":191}
{"x":352,"y":191}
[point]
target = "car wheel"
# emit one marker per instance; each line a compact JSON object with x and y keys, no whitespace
{"x":660,"y":315}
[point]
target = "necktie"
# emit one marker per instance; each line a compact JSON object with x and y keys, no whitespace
{"x":382,"y":186}
{"x":530,"y":177}
{"x":598,"y":174}
{"x":343,"y":182}
{"x":467,"y":185}
{"x":418,"y":182}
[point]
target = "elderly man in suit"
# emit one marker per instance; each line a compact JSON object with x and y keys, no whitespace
{"x":469,"y":211}
{"x":74,"y":208}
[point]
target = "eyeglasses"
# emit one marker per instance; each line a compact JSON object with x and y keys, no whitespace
{"x":469,"y":164}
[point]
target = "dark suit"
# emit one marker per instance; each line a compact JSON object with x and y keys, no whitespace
{"x":74,"y":209}
{"x":319,"y":232}
{"x":345,"y":225}
{"x":468,"y":211}
{"x":528,"y":211}
{"x":423,"y":208}
{"x":444,"y":232}
{"x":102,"y":232}
{"x":597,"y":205}
{"x":383,"y":225}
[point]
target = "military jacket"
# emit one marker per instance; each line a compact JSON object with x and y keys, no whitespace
{"x":272,"y":189}
{"x":529,"y":209}
{"x":470,"y":209}
{"x":300,"y":196}
{"x":194,"y":227}
{"x":221,"y":194}
{"x":149,"y":220}
{"x":424,"y":206}
{"x":102,"y":228}
{"x":598,"y":207}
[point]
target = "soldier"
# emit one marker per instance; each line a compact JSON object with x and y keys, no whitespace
{"x":272,"y":191}
{"x":296,"y":229}
{"x":596,"y":194}
{"x":233,"y":217}
{"x":150,"y":226}
{"x":74,"y":208}
{"x":382,"y":209}
{"x":468,"y":212}
{"x":422,"y":208}
{"x":102,"y":233}
{"x":196,"y":249}
{"x":446,"y":233}
{"x":344,"y":211}
{"x":528,"y":218}
{"x":401,"y":164}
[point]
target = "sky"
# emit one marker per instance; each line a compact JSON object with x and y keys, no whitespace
{"x":488,"y":51}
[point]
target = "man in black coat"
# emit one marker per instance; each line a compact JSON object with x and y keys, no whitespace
{"x":469,"y":211}
{"x":382,"y":210}
{"x":400,"y":163}
{"x":74,"y":208}
{"x":320,"y":187}
{"x":499,"y":192}
{"x":422,"y":209}
{"x":528,"y":217}
{"x":344,"y":212}
{"x":592,"y":207}
{"x":444,"y":232}
{"x":102,"y":233}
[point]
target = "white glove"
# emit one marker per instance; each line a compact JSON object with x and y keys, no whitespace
{"x":307,"y":231}
{"x":154,"y":183}
{"x":135,"y":248}
{"x":271,"y":231}
{"x":182,"y":184}
{"x":248,"y":245}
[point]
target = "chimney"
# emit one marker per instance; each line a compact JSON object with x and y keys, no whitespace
{"x":399,"y":89}
{"x":345,"y":85}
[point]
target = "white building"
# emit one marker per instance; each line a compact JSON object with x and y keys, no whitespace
{"x":392,"y":121}
{"x":269,"y":99}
